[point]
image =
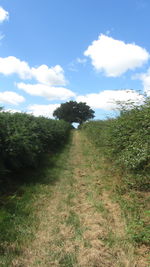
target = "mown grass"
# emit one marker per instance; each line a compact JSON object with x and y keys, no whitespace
{"x":135,"y":208}
{"x":135,"y":205}
{"x":68,"y":260}
{"x":101,"y":194}
{"x":74,"y":221}
{"x":19,"y":206}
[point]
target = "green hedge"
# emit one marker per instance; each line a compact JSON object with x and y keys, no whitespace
{"x":25,"y":138}
{"x":125,"y":139}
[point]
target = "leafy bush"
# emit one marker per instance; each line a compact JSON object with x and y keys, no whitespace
{"x":126,"y":139}
{"x":24,"y":138}
{"x":129,"y":137}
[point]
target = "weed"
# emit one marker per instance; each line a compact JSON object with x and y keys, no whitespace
{"x":89,"y":195}
{"x":68,"y":260}
{"x":100,"y":207}
{"x":73,"y":220}
{"x":87,"y":244}
{"x":69,"y":199}
{"x":109,"y":239}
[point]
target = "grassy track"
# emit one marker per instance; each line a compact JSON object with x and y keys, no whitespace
{"x":77,"y":223}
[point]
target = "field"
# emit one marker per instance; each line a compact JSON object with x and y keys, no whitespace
{"x":79,"y":199}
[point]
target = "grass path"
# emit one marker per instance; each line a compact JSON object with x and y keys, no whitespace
{"x":79,"y":225}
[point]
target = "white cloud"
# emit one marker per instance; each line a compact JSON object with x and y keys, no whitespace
{"x":108,"y":99}
{"x":50,"y":80}
{"x":145,"y":78}
{"x":115,"y":57}
{"x":73,"y":66}
{"x":13,"y":110}
{"x":4,"y":15}
{"x":50,"y":93}
{"x":49,"y":76}
{"x":12,"y":65}
{"x":81,"y":60}
{"x":43,"y":110}
{"x":43,"y":74}
{"x":9,"y":97}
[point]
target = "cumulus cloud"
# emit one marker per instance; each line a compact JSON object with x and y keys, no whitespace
{"x":108,"y":99}
{"x":12,"y":65}
{"x":49,"y":76}
{"x":50,"y":93}
{"x":50,"y":81}
{"x":145,"y":78}
{"x":43,"y":110}
{"x":53,"y":76}
{"x":4,"y":15}
{"x":9,"y":97}
{"x":81,"y":60}
{"x":115,"y":57}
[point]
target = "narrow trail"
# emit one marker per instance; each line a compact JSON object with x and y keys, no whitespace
{"x":80,"y":226}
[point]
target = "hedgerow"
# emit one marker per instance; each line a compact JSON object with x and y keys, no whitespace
{"x":125,"y":139}
{"x":25,"y":138}
{"x":124,"y":145}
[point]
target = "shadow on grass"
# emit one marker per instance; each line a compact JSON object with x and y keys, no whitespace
{"x":43,"y":172}
{"x":20,"y":193}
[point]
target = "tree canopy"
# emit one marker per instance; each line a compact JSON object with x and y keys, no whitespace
{"x":74,"y":112}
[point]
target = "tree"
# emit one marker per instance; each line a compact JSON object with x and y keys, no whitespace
{"x":74,"y":112}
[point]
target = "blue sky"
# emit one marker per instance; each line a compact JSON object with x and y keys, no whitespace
{"x":93,"y":51}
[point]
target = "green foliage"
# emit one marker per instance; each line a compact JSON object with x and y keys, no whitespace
{"x":74,"y":112}
{"x":68,"y":260}
{"x":125,"y":140}
{"x":98,"y":132}
{"x":19,"y":211}
{"x":25,"y":138}
{"x":129,"y":136}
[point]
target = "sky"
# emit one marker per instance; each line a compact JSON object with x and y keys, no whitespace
{"x":92,"y":51}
